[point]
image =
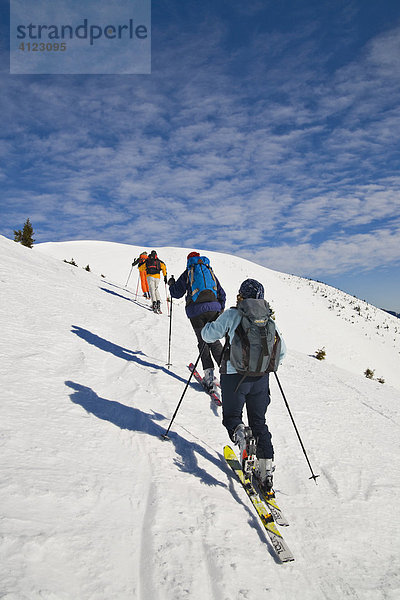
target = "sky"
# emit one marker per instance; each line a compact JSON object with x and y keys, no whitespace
{"x":267,"y":130}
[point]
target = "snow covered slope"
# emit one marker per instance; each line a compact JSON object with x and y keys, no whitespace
{"x":356,"y":335}
{"x":95,"y":506}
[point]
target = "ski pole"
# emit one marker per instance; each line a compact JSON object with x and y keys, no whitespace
{"x":313,"y":476}
{"x":166,"y":297}
{"x":165,"y":435}
{"x":129,"y":276}
{"x":169,"y":364}
{"x":137,"y":286}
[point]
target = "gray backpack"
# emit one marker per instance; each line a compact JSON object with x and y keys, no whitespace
{"x":256,"y":345}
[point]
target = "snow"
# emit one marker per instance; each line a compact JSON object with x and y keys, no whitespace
{"x":94,"y":505}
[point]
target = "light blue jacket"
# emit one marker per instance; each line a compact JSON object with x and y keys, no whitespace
{"x":226,"y":324}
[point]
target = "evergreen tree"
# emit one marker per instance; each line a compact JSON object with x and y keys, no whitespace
{"x":25,"y":237}
{"x":320,"y":354}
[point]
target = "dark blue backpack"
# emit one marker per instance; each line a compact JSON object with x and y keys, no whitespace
{"x":202,"y":284}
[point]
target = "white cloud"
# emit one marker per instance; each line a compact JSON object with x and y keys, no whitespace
{"x":283,"y":158}
{"x":337,"y":255}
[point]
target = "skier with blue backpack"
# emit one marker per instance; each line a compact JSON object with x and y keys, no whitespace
{"x":253,"y":349}
{"x":205,"y":300}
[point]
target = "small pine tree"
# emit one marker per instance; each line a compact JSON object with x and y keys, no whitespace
{"x":25,"y":237}
{"x":320,"y":354}
{"x":87,"y":268}
{"x":369,"y":373}
{"x":70,"y":262}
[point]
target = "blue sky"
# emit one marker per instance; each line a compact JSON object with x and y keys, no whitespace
{"x":268,"y":129}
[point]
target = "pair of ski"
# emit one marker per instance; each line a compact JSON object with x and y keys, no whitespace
{"x":214,"y":396}
{"x":267,"y":509}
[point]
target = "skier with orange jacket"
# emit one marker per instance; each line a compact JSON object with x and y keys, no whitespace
{"x":153,"y":266}
{"x":143,"y":278}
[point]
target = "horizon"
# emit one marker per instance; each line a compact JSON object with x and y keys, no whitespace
{"x":269,"y":132}
{"x":185,"y":250}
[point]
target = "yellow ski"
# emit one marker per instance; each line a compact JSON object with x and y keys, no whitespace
{"x":278,"y":543}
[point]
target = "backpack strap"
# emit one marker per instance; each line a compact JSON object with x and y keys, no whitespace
{"x":275,"y":354}
{"x":240,"y":382}
{"x":191,"y":279}
{"x":226,"y":350}
{"x":264,"y":348}
{"x":213,"y":276}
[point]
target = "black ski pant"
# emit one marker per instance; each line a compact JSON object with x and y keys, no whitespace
{"x":254,"y":393}
{"x":215,"y":348}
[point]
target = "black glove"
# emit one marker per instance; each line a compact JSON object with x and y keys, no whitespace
{"x":171,"y":281}
{"x":165,"y":279}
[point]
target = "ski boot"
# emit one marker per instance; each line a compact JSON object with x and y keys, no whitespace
{"x":158,"y":307}
{"x":263,"y":473}
{"x":243,"y":437}
{"x":154,"y":306}
{"x":208,"y":379}
{"x":210,"y":383}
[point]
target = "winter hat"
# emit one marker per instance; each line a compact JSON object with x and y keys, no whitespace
{"x":191,"y":254}
{"x":153,"y":254}
{"x":251,"y":288}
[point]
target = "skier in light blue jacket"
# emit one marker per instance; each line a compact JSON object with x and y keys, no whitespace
{"x":251,"y":391}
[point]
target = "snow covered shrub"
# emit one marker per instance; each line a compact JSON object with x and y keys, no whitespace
{"x":381,"y":380}
{"x":369,"y":374}
{"x":71,"y":262}
{"x":87,"y":268}
{"x":320,"y":354}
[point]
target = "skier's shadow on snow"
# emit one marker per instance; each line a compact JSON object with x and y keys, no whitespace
{"x":115,"y":294}
{"x":133,"y":419}
{"x":124,"y":353}
{"x":141,"y":304}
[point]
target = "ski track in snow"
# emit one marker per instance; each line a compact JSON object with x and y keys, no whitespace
{"x":95,"y":505}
